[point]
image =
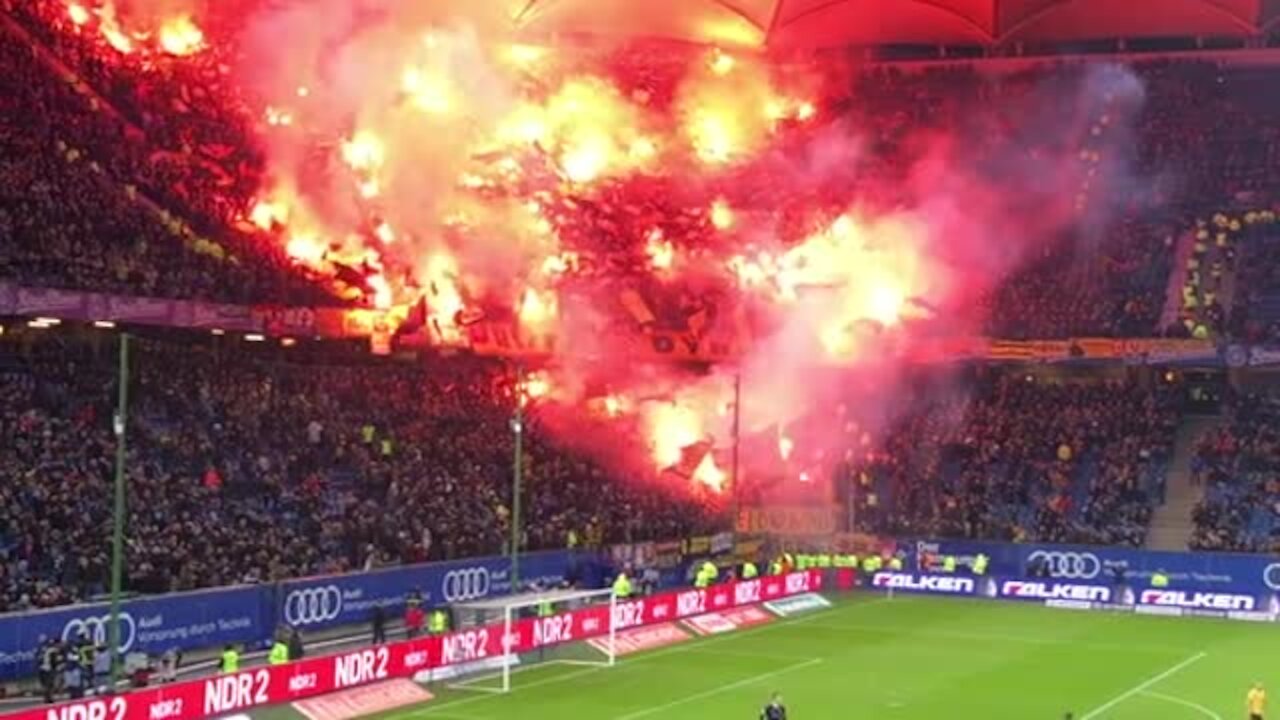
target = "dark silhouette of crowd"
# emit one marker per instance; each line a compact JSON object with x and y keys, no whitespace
{"x":249,"y":469}
{"x":1236,"y":463}
{"x":1018,"y":457}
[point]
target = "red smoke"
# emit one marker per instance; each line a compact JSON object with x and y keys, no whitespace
{"x":425,"y":152}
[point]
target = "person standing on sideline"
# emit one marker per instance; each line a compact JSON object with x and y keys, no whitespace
{"x":1256,"y":701}
{"x":379,"y":624}
{"x":775,"y":710}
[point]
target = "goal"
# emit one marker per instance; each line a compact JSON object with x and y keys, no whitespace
{"x":543,"y":633}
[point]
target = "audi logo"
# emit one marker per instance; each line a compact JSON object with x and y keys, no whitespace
{"x":1271,"y":576}
{"x":313,"y":605}
{"x":463,"y":585}
{"x":1069,"y":565}
{"x":99,"y":630}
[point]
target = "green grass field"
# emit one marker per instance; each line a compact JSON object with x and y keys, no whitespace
{"x":909,"y":658}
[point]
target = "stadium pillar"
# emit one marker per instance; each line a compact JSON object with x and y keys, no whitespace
{"x":120,"y":424}
{"x":517,"y":429}
{"x":737,"y":436}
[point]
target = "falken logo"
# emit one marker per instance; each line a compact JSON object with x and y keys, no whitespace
{"x":1055,"y":591}
{"x":924,"y":583}
{"x":1196,"y":600}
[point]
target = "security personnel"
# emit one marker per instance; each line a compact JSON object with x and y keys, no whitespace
{"x":949,"y":563}
{"x":622,"y":586}
{"x":980,"y":564}
{"x":749,"y":571}
{"x":1159,"y":579}
{"x":775,"y":567}
{"x":895,"y":563}
{"x":438,"y":623}
{"x":702,"y":579}
{"x":279,"y":654}
{"x":824,"y":561}
{"x":711,"y":570}
{"x":230,"y":661}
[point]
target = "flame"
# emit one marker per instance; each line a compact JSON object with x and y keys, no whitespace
{"x":537,"y":385}
{"x":858,"y":272}
{"x":720,"y":62}
{"x":382,"y":297}
{"x":672,"y":428}
{"x":77,"y":13}
{"x":661,"y":252}
{"x":428,"y":92}
{"x":266,"y":214}
{"x":180,"y":36}
{"x":306,"y":249}
{"x":721,"y":214}
{"x":785,"y":445}
{"x":710,"y":474}
{"x":385,"y":233}
{"x":278,"y":117}
{"x":364,"y":152}
{"x":537,"y":310}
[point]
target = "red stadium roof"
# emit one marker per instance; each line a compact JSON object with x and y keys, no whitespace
{"x":826,"y":23}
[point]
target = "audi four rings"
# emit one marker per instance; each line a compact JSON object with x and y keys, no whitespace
{"x":1271,"y":576}
{"x":99,"y":630}
{"x":1067,"y":564}
{"x":467,"y":584}
{"x":313,"y":605}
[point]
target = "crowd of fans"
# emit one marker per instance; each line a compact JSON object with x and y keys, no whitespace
{"x":1023,"y":458}
{"x":251,"y":470}
{"x":175,"y":135}
{"x":1236,"y":463}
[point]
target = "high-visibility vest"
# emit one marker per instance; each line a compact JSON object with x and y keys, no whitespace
{"x":546,"y":609}
{"x":749,"y":571}
{"x":775,"y":567}
{"x":980,"y":564}
{"x":230,"y":660}
{"x":895,"y":563}
{"x":702,"y":580}
{"x":824,"y":560}
{"x":438,"y":623}
{"x":711,"y":570}
{"x":1160,"y":580}
{"x":949,"y":563}
{"x":622,"y":586}
{"x":279,"y":654}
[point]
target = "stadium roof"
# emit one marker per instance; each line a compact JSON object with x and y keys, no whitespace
{"x":827,"y":23}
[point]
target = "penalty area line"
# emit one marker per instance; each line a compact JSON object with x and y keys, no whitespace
{"x":1140,"y":687}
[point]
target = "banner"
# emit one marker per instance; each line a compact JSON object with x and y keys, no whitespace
{"x":1242,"y":574}
{"x":152,"y":625}
{"x":236,"y":693}
{"x":794,"y":521}
{"x":318,"y":603}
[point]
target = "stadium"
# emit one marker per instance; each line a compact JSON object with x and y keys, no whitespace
{"x":484,"y":359}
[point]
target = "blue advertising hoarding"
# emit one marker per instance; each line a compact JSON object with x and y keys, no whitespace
{"x":1216,"y":572}
{"x":323,"y":602}
{"x":152,"y":625}
{"x":249,"y":614}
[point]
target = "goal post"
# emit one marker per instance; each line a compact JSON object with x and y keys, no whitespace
{"x":540,"y":633}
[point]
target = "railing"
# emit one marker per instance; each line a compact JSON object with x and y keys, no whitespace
{"x":249,"y":614}
{"x":413,"y":658}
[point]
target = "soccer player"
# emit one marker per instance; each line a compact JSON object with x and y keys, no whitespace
{"x":775,"y":710}
{"x":1256,"y":701}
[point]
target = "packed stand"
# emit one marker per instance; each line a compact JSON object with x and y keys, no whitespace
{"x":94,"y":211}
{"x":1237,"y":464}
{"x":1016,"y":458}
{"x":250,"y":470}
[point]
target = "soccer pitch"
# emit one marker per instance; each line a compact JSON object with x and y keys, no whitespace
{"x":908,"y":658}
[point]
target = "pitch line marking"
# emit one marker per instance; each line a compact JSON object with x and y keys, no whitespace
{"x":1185,"y":703}
{"x":716,"y":691}
{"x":1143,"y":686}
{"x":428,"y":710}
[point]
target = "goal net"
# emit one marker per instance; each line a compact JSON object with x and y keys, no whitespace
{"x":536,"y":636}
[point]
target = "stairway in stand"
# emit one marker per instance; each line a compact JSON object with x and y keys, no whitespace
{"x":1171,"y":524}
